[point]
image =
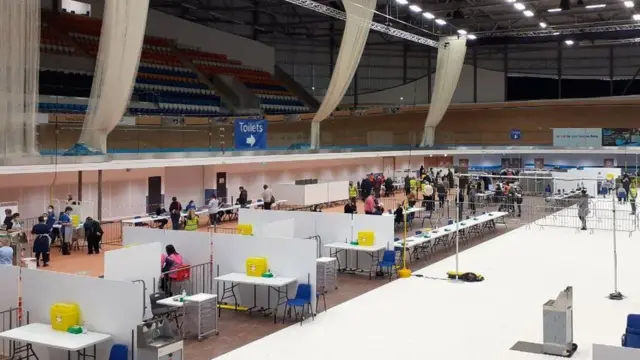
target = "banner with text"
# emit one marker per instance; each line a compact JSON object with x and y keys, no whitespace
{"x":620,"y":137}
{"x":577,"y":137}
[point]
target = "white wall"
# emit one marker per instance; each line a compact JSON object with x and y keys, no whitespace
{"x":490,"y":89}
{"x":562,"y":160}
{"x":124,"y":192}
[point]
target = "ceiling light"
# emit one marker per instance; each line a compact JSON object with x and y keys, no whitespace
{"x":554,"y":10}
{"x":415,"y":8}
{"x":471,"y":37}
{"x":402,"y":2}
{"x":543,"y":24}
{"x":428,"y":15}
{"x":556,"y":33}
{"x":636,"y":17}
{"x":462,"y":32}
{"x":528,"y":13}
{"x":440,"y":22}
{"x":568,"y":42}
{"x":511,"y":1}
{"x":596,"y":6}
{"x":519,"y":6}
{"x":629,"y":4}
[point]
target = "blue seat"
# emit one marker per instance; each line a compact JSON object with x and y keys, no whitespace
{"x":302,"y":299}
{"x":119,"y":352}
{"x":631,"y":337}
{"x":388,"y":262}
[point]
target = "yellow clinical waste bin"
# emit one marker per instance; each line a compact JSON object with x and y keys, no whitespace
{"x":75,"y":220}
{"x":256,"y":266}
{"x":245,"y":229}
{"x":64,"y":316}
{"x":366,"y":238}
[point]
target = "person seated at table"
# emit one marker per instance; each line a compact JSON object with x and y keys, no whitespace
{"x":161,"y":223}
{"x":378,"y":207}
{"x":350,"y":207}
{"x":6,"y":252}
{"x":42,"y":242}
{"x":16,"y":224}
{"x":191,"y":221}
{"x":399,"y":214}
{"x":412,"y":198}
{"x":191,"y":206}
{"x":369,"y":205}
{"x":170,"y":263}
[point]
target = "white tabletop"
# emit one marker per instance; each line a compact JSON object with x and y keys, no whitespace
{"x":448,"y":229}
{"x":175,"y":300}
{"x":325,"y":260}
{"x":145,"y":219}
{"x":407,"y":211}
{"x":563,"y":196}
{"x":349,"y":246}
{"x":256,"y":280}
{"x":59,"y":226}
{"x":43,"y":334}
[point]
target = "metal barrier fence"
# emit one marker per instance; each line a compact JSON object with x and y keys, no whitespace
{"x":222,"y":230}
{"x":9,"y":319}
{"x":198,"y":280}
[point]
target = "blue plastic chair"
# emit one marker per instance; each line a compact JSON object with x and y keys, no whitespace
{"x":119,"y":352}
{"x":388,"y":261}
{"x":631,"y":337}
{"x":302,"y":299}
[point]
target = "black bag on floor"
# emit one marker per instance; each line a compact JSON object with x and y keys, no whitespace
{"x":65,"y":248}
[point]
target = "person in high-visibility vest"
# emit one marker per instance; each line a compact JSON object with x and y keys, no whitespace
{"x":413,"y":185}
{"x":633,"y":195}
{"x":191,"y":221}
{"x":353,"y":191}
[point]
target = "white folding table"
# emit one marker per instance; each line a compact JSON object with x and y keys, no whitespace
{"x":278,"y":284}
{"x":372,"y":251}
{"x":45,"y":335}
{"x":197,"y":310}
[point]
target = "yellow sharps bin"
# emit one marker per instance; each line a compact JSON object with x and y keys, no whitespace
{"x":245,"y":229}
{"x":256,"y":266}
{"x":64,"y":316}
{"x":366,"y":238}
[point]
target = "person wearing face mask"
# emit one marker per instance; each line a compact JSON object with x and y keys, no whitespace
{"x":50,"y":220}
{"x":67,"y":230}
{"x":16,"y":223}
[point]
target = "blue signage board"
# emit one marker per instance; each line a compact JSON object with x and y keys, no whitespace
{"x":250,"y":134}
{"x":516,"y":134}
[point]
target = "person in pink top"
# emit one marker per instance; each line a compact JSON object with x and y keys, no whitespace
{"x":369,"y":205}
{"x":171,"y":261}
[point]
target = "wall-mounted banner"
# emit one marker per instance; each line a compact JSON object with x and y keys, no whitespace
{"x":577,"y":137}
{"x":620,"y":137}
{"x":250,"y":134}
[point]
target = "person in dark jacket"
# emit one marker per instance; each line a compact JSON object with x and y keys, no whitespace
{"x":50,"y":221}
{"x":42,"y":242}
{"x":442,"y":193}
{"x":243,"y":198}
{"x":8,"y":218}
{"x":472,"y":199}
{"x":460,"y":202}
{"x":450,"y":179}
{"x":175,"y":210}
{"x":350,"y":207}
{"x":161,"y":223}
{"x":93,"y":233}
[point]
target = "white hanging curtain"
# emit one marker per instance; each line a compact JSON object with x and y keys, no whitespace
{"x":19,"y":66}
{"x":354,"y":38}
{"x":123,"y":27}
{"x":451,"y":53}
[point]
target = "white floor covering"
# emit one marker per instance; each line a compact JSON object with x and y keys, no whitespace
{"x":420,"y":318}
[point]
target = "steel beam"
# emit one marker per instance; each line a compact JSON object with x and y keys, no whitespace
{"x":323,"y":9}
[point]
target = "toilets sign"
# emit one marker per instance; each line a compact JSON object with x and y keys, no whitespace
{"x":250,"y":134}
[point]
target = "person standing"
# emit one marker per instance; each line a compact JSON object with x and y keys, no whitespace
{"x":633,"y":195}
{"x":42,"y":242}
{"x":583,"y":208}
{"x":442,"y":193}
{"x":8,"y":219}
{"x":175,"y":210}
{"x":213,"y":209}
{"x":460,"y":202}
{"x":353,"y":191}
{"x":243,"y":198}
{"x":267,"y":197}
{"x":66,"y":230}
{"x":93,"y":232}
{"x":472,"y":199}
{"x":50,"y":221}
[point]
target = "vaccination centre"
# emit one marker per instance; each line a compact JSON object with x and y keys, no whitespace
{"x":319,"y":179}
